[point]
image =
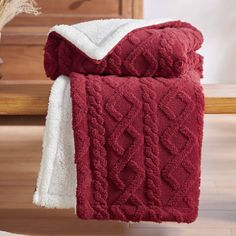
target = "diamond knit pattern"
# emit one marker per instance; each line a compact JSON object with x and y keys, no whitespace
{"x":164,"y":50}
{"x":144,"y":152}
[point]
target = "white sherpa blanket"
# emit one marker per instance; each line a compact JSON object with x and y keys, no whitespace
{"x":56,"y":184}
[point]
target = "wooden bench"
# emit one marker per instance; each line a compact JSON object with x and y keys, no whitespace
{"x":25,"y":102}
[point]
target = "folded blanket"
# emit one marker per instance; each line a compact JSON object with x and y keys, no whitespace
{"x":164,"y":50}
{"x":137,"y":109}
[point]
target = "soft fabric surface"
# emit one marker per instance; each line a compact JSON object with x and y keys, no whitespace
{"x":137,"y":108}
{"x":86,"y":37}
{"x":56,"y":182}
{"x":137,"y":147}
{"x":164,"y":50}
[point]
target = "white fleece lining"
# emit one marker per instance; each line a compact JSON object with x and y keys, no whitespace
{"x":56,"y":184}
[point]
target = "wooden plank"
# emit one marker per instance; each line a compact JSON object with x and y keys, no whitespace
{"x":41,"y":221}
{"x":24,"y":98}
{"x":22,"y":120}
{"x":126,"y":9}
{"x":220,"y":98}
{"x":31,"y":98}
{"x":24,"y":35}
{"x":26,"y":60}
{"x":138,"y":9}
{"x":71,"y":12}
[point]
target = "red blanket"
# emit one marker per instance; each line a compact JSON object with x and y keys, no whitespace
{"x":137,"y":121}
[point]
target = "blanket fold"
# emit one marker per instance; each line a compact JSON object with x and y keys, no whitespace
{"x":137,"y":116}
{"x":163,"y":50}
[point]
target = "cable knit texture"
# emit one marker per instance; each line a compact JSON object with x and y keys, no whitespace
{"x":145,"y":143}
{"x":165,"y":50}
{"x":137,"y":121}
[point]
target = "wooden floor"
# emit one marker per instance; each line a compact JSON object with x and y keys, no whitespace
{"x":20,"y":153}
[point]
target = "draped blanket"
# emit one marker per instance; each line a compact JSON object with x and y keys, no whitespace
{"x":137,"y":108}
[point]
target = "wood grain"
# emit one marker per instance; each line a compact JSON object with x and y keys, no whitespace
{"x":220,"y":98}
{"x":74,"y":11}
{"x":22,"y":62}
{"x":23,"y":98}
{"x":31,"y":98}
{"x":23,"y":36}
{"x":138,"y":9}
{"x":22,"y":120}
